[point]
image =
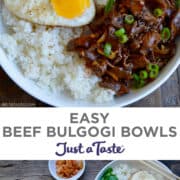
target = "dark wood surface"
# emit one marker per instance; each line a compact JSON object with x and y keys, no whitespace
{"x":38,"y":170}
{"x":166,"y":96}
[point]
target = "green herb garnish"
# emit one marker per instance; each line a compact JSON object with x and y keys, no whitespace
{"x":120,"y":32}
{"x":166,"y":34}
{"x":109,"y":6}
{"x":129,"y":19}
{"x":158,"y":12}
{"x":153,"y":74}
{"x":151,"y":67}
{"x":178,"y":3}
{"x":108,"y":175}
{"x":143,"y":74}
{"x":123,"y":39}
{"x":153,"y":70}
{"x":107,"y":49}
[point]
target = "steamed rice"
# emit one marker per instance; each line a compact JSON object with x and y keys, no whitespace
{"x":40,"y":53}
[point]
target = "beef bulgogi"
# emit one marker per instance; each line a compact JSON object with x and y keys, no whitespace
{"x":129,"y":42}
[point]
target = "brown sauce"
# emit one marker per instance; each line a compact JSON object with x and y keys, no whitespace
{"x":148,"y":39}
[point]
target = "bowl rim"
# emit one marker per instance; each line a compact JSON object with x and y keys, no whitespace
{"x":112,"y":162}
{"x":77,"y":176}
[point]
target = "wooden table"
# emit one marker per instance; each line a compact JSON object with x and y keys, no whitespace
{"x":38,"y":170}
{"x":166,"y":96}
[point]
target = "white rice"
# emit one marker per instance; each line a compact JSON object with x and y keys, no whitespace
{"x":124,"y":172}
{"x":41,"y":55}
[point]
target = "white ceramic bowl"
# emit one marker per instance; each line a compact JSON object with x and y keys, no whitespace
{"x":135,"y":164}
{"x":63,"y":100}
{"x":52,"y":170}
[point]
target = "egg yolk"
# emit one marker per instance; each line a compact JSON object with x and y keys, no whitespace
{"x":70,"y":8}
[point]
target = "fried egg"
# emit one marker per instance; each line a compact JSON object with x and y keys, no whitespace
{"x":53,"y":12}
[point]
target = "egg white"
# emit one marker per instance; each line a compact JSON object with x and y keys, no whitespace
{"x":42,"y":12}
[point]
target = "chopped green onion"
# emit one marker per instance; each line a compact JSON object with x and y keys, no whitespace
{"x":138,"y":81}
{"x":153,"y":70}
{"x":107,"y":49}
{"x":120,"y":32}
{"x":139,"y":84}
{"x":155,"y":67}
{"x":149,"y":67}
{"x":166,"y":34}
{"x":109,"y":6}
{"x":123,"y":39}
{"x":136,"y":77}
{"x":143,"y":74}
{"x":129,"y":19}
{"x":178,"y":3}
{"x":152,"y":67}
{"x":158,"y":12}
{"x":153,"y":74}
